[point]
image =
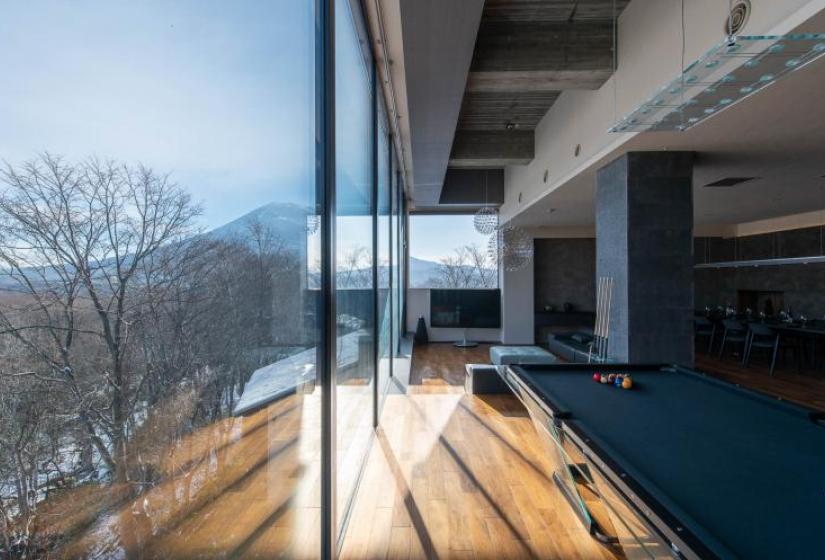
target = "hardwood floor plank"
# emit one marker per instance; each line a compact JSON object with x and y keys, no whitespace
{"x":468,"y":476}
{"x":807,"y":388}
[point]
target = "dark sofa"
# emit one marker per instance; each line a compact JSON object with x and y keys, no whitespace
{"x":571,"y":346}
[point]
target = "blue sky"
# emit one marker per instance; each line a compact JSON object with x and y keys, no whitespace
{"x":220,"y":94}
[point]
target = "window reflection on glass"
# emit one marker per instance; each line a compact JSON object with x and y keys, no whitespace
{"x":355,"y":329}
{"x":385,"y":333}
{"x":159,"y":248}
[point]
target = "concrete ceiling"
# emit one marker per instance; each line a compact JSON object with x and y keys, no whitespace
{"x":526,"y":53}
{"x":476,"y":86}
{"x":777,"y":136}
{"x":438,"y":40}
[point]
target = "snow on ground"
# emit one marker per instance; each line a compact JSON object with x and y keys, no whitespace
{"x":281,"y":378}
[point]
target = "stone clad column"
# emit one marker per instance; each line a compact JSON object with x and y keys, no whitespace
{"x":644,"y":241}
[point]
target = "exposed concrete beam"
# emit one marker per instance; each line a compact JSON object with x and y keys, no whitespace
{"x":495,"y":110}
{"x":473,"y":187}
{"x":552,"y":10}
{"x":519,"y":68}
{"x":543,"y":46}
{"x":536,"y":81}
{"x":485,"y":148}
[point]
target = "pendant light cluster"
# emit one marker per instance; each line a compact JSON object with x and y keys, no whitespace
{"x":486,"y":220}
{"x":510,"y":246}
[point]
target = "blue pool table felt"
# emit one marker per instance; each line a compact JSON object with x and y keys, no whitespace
{"x":745,"y":473}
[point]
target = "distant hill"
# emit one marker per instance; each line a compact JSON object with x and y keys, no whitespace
{"x":289,"y":223}
{"x":421,"y":271}
{"x":285,"y":220}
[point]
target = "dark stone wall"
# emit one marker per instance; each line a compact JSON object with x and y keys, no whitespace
{"x":644,"y":232}
{"x":565,"y":272}
{"x":802,"y":242}
{"x":612,"y":224}
{"x":803,"y":286}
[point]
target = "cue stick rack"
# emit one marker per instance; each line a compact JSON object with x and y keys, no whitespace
{"x":601,"y":332}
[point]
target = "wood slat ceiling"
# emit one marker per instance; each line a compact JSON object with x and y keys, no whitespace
{"x":527,"y":52}
{"x":551,"y":10}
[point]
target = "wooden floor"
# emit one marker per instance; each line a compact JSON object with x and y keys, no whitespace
{"x":241,"y":487}
{"x":806,"y":388}
{"x":451,"y":475}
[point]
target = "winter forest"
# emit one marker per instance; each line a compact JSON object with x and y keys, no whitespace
{"x":121,"y":327}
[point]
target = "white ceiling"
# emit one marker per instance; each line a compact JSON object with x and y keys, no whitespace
{"x":777,"y":135}
{"x":438,"y":42}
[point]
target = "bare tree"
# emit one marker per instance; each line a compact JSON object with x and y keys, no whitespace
{"x":73,"y":238}
{"x":468,"y":267}
{"x":354,"y":268}
{"x":484,"y":268}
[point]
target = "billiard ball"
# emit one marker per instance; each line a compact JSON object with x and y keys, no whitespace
{"x":619,"y":381}
{"x":604,"y":378}
{"x":627,"y":383}
{"x":611,"y":378}
{"x":597,"y":377}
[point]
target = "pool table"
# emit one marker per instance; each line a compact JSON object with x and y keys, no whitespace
{"x":682,"y":464}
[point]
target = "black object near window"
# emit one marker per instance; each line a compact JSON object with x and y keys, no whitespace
{"x":467,"y":309}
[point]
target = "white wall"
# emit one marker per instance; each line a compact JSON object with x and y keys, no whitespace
{"x":649,"y":57}
{"x":418,"y":305}
{"x":650,"y":42}
{"x":517,"y":312}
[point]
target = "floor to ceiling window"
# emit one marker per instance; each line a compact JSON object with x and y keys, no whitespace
{"x":446,"y":251}
{"x":354,"y":249}
{"x":158,"y":295}
{"x":166,"y":365}
{"x":396,"y":256}
{"x":385,"y":332}
{"x":401,"y":285}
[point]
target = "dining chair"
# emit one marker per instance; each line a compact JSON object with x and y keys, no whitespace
{"x":761,"y":337}
{"x":734,"y":333}
{"x":704,"y":327}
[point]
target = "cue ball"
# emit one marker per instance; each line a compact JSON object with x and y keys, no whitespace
{"x":603,"y":378}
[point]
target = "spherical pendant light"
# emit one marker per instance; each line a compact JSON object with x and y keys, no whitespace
{"x":511,"y":246}
{"x":486,"y":220}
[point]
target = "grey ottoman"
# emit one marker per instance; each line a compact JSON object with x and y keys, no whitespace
{"x":503,"y":355}
{"x":484,"y":379}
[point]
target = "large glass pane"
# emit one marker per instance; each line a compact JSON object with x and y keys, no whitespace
{"x":158,"y":246}
{"x":402,"y":261}
{"x":446,"y":251}
{"x":383,"y":206}
{"x":354,"y":247}
{"x":395,"y":261}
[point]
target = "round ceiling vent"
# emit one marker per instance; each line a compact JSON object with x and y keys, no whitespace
{"x":738,"y":18}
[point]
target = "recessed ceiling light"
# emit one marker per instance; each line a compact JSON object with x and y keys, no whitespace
{"x":730,"y":181}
